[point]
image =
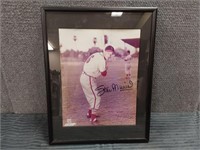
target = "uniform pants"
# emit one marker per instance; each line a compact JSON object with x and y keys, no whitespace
{"x":89,"y":85}
{"x":127,"y":68}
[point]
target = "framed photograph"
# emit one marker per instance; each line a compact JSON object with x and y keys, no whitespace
{"x":98,"y":65}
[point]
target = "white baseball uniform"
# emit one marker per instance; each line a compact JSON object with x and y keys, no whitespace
{"x":92,"y":69}
{"x":128,"y":64}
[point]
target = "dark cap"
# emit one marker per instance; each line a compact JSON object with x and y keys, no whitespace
{"x":109,"y":48}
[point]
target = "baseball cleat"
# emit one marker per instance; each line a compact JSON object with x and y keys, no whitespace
{"x":97,"y":115}
{"x":89,"y":113}
{"x":93,"y":118}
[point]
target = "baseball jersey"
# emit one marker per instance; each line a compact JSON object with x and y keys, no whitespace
{"x":95,"y":64}
{"x":128,"y":59}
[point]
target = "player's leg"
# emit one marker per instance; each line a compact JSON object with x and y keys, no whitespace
{"x":96,"y":100}
{"x":126,"y":71}
{"x":129,"y":71}
{"x":85,"y":83}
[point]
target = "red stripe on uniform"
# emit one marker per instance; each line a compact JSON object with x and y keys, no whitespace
{"x":93,"y":93}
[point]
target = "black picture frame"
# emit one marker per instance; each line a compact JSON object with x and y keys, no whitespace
{"x":143,"y":18}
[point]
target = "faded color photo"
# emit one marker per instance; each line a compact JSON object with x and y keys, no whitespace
{"x":99,"y":69}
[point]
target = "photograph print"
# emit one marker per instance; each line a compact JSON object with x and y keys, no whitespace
{"x":99,"y":74}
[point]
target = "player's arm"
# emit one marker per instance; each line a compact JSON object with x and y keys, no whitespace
{"x":127,"y":58}
{"x":103,"y":68}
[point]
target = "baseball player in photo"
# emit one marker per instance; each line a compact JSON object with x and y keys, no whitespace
{"x":128,"y":65}
{"x":94,"y":67}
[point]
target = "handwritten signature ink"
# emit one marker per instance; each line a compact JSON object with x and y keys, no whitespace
{"x":114,"y":88}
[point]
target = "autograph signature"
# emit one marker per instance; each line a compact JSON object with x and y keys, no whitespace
{"x":114,"y":87}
